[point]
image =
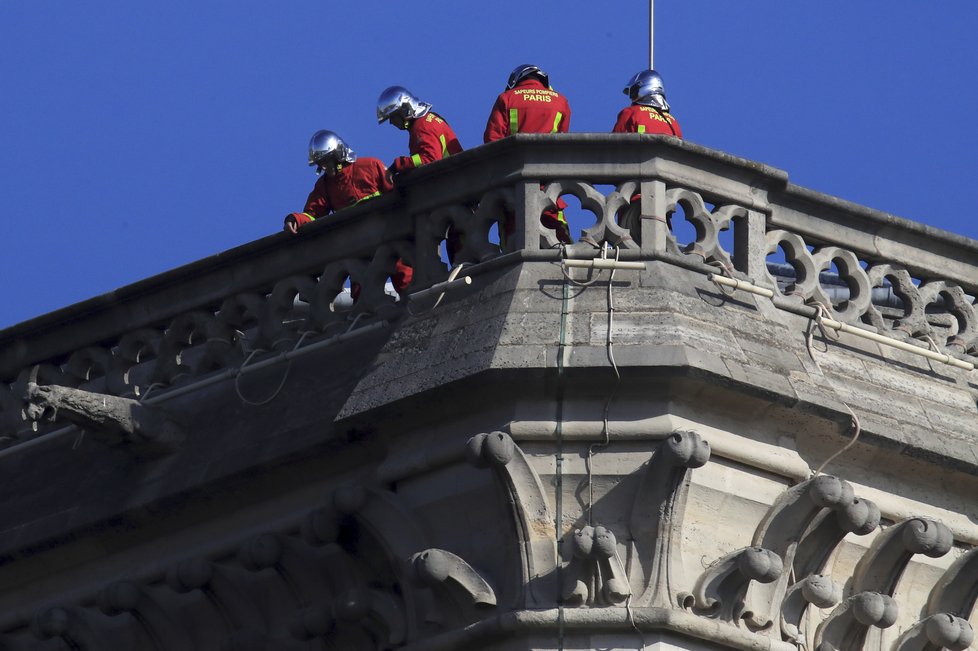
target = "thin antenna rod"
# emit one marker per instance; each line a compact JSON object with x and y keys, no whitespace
{"x":651,"y":33}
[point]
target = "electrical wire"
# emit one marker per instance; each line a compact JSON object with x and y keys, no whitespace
{"x":821,"y":312}
{"x":605,"y":427}
{"x":288,"y":368}
{"x":451,"y":276}
{"x":559,"y":445}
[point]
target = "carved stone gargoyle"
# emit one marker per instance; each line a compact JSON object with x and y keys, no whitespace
{"x":114,"y":421}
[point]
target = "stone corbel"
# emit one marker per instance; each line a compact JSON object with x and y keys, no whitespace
{"x":453,"y":580}
{"x":846,"y":628}
{"x":860,"y":517}
{"x":387,"y":518}
{"x":817,"y":590}
{"x":720,"y":591}
{"x":70,"y":624}
{"x":534,"y":518}
{"x":112,"y":420}
{"x":949,"y":606}
{"x":235,"y":605}
{"x":358,"y":619}
{"x":127,"y":597}
{"x":321,"y":530}
{"x":941,"y":631}
{"x":957,"y":590}
{"x":384,"y":517}
{"x":881,"y":567}
{"x":823,"y":508}
{"x":295,"y":563}
{"x":657,"y":518}
{"x":595,"y":575}
{"x":336,"y":621}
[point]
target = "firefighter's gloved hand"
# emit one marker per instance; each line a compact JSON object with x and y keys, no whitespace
{"x":402,"y":164}
{"x":391,"y":173}
{"x":291,"y":226}
{"x":294,"y":220}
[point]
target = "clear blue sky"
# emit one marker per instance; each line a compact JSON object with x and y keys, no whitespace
{"x":139,"y":136}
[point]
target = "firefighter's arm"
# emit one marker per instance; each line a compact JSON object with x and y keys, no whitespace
{"x":317,"y":205}
{"x":294,"y":220}
{"x":621,"y":125}
{"x":383,"y":179}
{"x":675,"y":126}
{"x":425,"y":148}
{"x":498,"y":125}
{"x":425,"y":145}
{"x":402,"y":164}
{"x":564,"y":125}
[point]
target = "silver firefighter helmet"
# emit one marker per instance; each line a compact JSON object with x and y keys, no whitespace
{"x":399,"y":105}
{"x":328,"y":152}
{"x":646,"y":88}
{"x":526,"y":70}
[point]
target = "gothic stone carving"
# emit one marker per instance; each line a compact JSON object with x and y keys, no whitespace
{"x":110,"y":419}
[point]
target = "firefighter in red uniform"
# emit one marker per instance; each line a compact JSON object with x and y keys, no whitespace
{"x":348,"y":181}
{"x":530,"y":105}
{"x":649,"y":111}
{"x":430,"y":138}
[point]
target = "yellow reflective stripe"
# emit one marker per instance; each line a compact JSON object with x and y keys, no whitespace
{"x":557,"y":121}
{"x":369,"y":196}
{"x":444,"y":146}
{"x":641,"y":128}
{"x":560,"y":217}
{"x":416,"y":159}
{"x":514,"y":121}
{"x":311,"y":218}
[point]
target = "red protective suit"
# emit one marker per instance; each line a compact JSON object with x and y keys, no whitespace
{"x":646,"y":119}
{"x":637,"y":118}
{"x":530,"y":107}
{"x":431,"y":139}
{"x":363,"y":179}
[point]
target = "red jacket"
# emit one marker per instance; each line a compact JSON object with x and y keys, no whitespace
{"x":530,"y":107}
{"x":363,"y":179}
{"x":431,"y":139}
{"x":646,"y":119}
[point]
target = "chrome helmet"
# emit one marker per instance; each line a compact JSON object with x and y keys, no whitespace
{"x":328,"y":152}
{"x":399,"y":105}
{"x":522,"y":72}
{"x":646,"y":88}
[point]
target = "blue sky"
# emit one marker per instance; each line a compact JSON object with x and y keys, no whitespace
{"x":137,"y":136}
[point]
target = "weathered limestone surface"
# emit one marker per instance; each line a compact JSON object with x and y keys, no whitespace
{"x":532,"y":464}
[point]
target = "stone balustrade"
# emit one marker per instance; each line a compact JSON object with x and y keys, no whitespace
{"x":277,"y":293}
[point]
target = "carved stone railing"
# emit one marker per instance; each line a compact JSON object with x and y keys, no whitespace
{"x":215,"y":313}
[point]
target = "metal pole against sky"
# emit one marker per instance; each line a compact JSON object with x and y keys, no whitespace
{"x":651,"y":32}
